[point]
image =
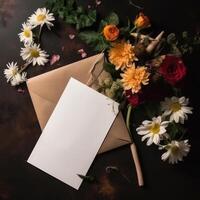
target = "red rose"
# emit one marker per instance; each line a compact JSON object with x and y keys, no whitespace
{"x":172,"y":69}
{"x":133,"y":99}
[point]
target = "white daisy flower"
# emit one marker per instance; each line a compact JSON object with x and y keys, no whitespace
{"x":177,"y":109}
{"x":176,"y":150}
{"x":11,"y":71}
{"x":33,"y":54}
{"x":26,"y":35}
{"x":154,"y":130}
{"x":41,"y":17}
{"x":18,"y":79}
{"x":12,"y":74}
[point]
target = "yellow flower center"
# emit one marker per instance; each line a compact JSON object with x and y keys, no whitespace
{"x":41,"y":17}
{"x":35,"y":53}
{"x":14,"y":72}
{"x":174,"y":150}
{"x":27,"y":33}
{"x":175,"y":106}
{"x":155,"y":128}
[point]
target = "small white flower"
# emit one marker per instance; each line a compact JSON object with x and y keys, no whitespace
{"x":153,"y":130}
{"x":12,"y":74}
{"x":41,"y":17}
{"x":176,"y":150}
{"x":11,"y":71}
{"x":33,"y":54}
{"x":26,"y":35}
{"x":177,"y":109}
{"x":18,"y":79}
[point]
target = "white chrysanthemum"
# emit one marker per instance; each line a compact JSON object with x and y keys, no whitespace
{"x":153,"y":130}
{"x":33,"y":54}
{"x":177,"y":109}
{"x":41,"y":17}
{"x":26,"y":35}
{"x":12,"y":74}
{"x":176,"y":150}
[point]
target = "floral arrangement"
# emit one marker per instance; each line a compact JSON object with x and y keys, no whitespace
{"x":31,"y":53}
{"x":144,"y":73}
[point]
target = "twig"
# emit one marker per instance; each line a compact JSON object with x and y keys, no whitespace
{"x":25,"y":66}
{"x":134,"y":150}
{"x":39,"y":35}
{"x":137,"y":165}
{"x":136,"y":6}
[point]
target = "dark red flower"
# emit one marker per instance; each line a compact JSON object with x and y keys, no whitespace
{"x":172,"y":69}
{"x":133,"y":99}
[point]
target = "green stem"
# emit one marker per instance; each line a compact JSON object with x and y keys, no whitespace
{"x":132,"y":29}
{"x":128,"y":120}
{"x":39,"y":35}
{"x":26,"y":65}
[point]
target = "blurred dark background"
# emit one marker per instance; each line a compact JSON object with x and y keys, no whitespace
{"x":19,"y":129}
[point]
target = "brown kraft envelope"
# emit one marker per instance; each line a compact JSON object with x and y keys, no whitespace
{"x":46,"y":89}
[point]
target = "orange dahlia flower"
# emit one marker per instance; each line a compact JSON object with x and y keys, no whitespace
{"x":133,"y":78}
{"x":121,"y":54}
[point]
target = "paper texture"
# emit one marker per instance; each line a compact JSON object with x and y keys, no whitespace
{"x":74,"y":133}
{"x":46,"y":89}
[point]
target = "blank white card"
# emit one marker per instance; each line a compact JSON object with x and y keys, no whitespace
{"x":74,"y":133}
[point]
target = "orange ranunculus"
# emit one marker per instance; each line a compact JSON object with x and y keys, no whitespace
{"x":142,"y":21}
{"x":111,"y":32}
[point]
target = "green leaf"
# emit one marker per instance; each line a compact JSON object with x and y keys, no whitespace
{"x":87,"y":178}
{"x":112,"y":18}
{"x":69,"y":3}
{"x":102,"y":24}
{"x":89,"y":37}
{"x":80,"y":10}
{"x":125,"y":30}
{"x":101,"y":44}
{"x":85,"y":20}
{"x":71,"y":19}
{"x":71,"y":13}
{"x":110,"y":68}
{"x":94,"y":39}
{"x":171,"y":39}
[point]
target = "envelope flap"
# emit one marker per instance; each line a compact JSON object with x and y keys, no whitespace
{"x":50,"y":85}
{"x":118,"y":135}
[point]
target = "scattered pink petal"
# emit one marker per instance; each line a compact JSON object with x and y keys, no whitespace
{"x":62,"y":48}
{"x":71,"y":36}
{"x":82,"y":53}
{"x":98,"y":2}
{"x":89,"y":6}
{"x":55,"y":58}
{"x":20,"y":90}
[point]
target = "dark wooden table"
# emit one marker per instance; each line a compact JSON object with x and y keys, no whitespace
{"x":19,"y":128}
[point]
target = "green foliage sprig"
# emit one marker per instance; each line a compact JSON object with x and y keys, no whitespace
{"x":72,"y":13}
